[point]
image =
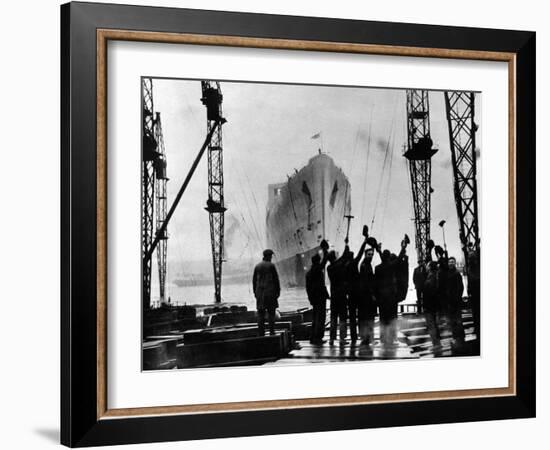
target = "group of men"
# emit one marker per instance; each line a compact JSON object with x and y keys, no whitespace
{"x":439,"y":291}
{"x":357,"y":292}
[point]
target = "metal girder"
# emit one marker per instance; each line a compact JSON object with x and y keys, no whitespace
{"x":212,"y":98}
{"x":460,"y":110}
{"x":419,"y":153}
{"x":160,"y":204}
{"x":148,"y":155}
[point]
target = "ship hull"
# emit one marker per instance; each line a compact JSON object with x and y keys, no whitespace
{"x":306,"y":209}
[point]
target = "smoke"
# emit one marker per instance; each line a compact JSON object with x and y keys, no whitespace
{"x":363,"y":136}
{"x":231,"y":227}
{"x":446,"y":163}
{"x":240,"y":240}
{"x":381,"y":144}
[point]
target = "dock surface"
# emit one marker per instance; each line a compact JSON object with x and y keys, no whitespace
{"x":413,"y":342}
{"x":224,"y":337}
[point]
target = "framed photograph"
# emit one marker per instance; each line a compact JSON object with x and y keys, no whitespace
{"x":278,"y":224}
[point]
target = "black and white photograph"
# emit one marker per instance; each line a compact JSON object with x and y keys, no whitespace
{"x":296,"y":224}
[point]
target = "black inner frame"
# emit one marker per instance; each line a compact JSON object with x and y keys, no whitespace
{"x":79,"y":424}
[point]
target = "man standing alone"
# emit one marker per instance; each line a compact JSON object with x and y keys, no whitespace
{"x":265,"y":283}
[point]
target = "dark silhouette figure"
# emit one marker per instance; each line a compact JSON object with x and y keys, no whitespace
{"x":367,"y":299}
{"x":265,"y":283}
{"x":338,"y":308}
{"x":419,"y":277}
{"x":387,"y":292}
{"x":317,"y":294}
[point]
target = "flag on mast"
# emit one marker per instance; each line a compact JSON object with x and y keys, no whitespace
{"x":316,"y":135}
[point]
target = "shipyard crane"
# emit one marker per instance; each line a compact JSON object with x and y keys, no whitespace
{"x":460,"y":110}
{"x":160,"y":205}
{"x":211,"y":93}
{"x":419,"y":153}
{"x":148,"y":155}
{"x":212,"y":100}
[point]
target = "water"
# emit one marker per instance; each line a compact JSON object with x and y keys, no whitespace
{"x":291,"y":299}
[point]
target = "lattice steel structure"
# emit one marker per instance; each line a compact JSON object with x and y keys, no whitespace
{"x":212,"y":98}
{"x":160,"y":206}
{"x":148,"y":156}
{"x":419,"y":153}
{"x":460,"y":110}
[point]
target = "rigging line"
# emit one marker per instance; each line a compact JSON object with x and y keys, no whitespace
{"x":248,"y":229}
{"x":247,"y":205}
{"x":249,"y":235}
{"x":251,"y":216}
{"x":254,"y":229}
{"x":350,"y":172}
{"x":364,"y":202}
{"x":388,"y":183}
{"x":255,"y":200}
{"x":351,"y":165}
{"x":379,"y":190}
{"x":384,"y":163}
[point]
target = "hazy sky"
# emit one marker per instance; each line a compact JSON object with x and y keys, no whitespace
{"x":268,"y":135}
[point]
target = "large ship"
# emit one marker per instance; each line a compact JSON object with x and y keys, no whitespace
{"x":309,"y":207}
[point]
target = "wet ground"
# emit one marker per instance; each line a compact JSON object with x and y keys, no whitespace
{"x":413,"y":342}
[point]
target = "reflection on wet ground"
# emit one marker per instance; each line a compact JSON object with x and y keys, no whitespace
{"x":413,"y":342}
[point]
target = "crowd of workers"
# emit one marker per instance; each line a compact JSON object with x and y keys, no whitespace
{"x":359,"y":292}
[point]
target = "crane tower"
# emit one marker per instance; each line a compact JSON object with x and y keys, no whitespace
{"x":419,"y":153}
{"x":212,"y":98}
{"x":148,"y":156}
{"x":460,"y":111}
{"x":160,"y":205}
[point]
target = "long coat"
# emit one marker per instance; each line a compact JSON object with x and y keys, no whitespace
{"x":265,"y":283}
{"x":455,"y":289}
{"x":337,"y":276}
{"x":402,"y":276}
{"x":431,"y":292}
{"x":367,"y":281}
{"x":419,"y":277}
{"x":315,"y":285}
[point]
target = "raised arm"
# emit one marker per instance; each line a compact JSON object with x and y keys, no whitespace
{"x":361,"y":251}
{"x":401,"y":256}
{"x":429,"y":247}
{"x":324,"y":248}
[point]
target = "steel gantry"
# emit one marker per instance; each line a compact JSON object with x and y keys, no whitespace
{"x":148,"y":156}
{"x":460,"y":110}
{"x":161,"y":180}
{"x":212,"y":98}
{"x":419,"y":153}
{"x":154,"y":174}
